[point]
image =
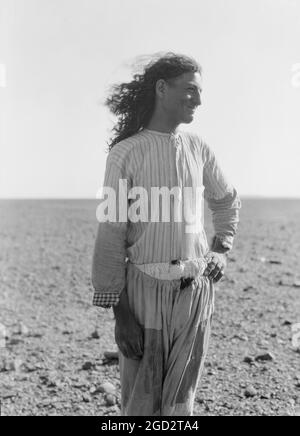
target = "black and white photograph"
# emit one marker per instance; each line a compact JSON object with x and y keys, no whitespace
{"x":149,"y":209}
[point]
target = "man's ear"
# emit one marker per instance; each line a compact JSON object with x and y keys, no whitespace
{"x":160,"y":87}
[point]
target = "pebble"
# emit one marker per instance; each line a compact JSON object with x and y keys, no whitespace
{"x":30,"y":368}
{"x":86,"y":398}
{"x":107,"y":388}
{"x":248,"y":359}
{"x":93,"y":390}
{"x":287,"y":323}
{"x":79,"y":385}
{"x":250,"y":392}
{"x":243,"y":338}
{"x":296,"y":284}
{"x":266,"y":396}
{"x":67,"y":332}
{"x":87,"y":366}
{"x":53,"y":384}
{"x":248,"y":288}
{"x":110,"y":400}
{"x":267,"y":357}
{"x":95,"y":334}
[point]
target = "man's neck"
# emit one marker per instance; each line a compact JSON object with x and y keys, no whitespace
{"x":159,"y":124}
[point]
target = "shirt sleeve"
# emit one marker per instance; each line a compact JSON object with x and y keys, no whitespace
{"x":109,"y":258}
{"x":223,"y":201}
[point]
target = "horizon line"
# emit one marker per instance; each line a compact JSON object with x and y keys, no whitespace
{"x":254,"y":197}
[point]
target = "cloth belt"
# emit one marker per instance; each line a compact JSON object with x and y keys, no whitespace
{"x":184,"y":270}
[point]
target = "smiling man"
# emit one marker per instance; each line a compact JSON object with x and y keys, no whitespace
{"x":177,"y":100}
{"x":158,"y":277}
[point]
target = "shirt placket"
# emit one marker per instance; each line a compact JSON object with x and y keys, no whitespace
{"x":179,"y":159}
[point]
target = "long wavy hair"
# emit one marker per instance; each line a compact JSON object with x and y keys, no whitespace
{"x":133,"y":102}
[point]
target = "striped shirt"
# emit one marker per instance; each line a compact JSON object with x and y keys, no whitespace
{"x":151,"y":159}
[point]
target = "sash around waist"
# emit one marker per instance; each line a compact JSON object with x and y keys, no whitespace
{"x":174,"y":270}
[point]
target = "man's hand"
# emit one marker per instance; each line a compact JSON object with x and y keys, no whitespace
{"x":216,"y":264}
{"x":129,"y":337}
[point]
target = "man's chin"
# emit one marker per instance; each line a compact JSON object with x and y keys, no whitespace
{"x":188,"y":119}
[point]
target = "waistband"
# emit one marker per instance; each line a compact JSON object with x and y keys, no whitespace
{"x":174,"y":270}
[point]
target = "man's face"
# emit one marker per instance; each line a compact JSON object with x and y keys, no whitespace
{"x":181,"y":97}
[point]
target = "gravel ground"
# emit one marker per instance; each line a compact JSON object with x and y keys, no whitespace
{"x":53,"y":341}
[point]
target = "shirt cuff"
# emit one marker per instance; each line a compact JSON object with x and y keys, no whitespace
{"x":222,"y":243}
{"x":105,"y":300}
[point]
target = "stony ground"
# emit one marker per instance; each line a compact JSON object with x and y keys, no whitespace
{"x":53,"y":341}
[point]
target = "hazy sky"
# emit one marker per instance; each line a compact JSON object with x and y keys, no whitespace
{"x":57,"y":58}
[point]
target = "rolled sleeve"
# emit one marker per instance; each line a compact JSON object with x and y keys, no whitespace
{"x":223,"y":201}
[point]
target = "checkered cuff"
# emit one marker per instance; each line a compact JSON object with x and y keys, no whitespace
{"x":105,"y":300}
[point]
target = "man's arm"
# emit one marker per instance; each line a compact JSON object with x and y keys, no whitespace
{"x":109,"y":274}
{"x":109,"y":264}
{"x":109,"y":259}
{"x":224,"y":202}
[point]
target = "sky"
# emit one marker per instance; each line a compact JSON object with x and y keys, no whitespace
{"x":59,"y":57}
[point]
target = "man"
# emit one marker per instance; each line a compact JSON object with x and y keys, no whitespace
{"x":142,"y":268}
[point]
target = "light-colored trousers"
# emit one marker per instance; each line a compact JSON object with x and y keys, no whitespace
{"x":176,"y":325}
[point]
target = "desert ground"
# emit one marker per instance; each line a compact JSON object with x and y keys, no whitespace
{"x":54,"y":343}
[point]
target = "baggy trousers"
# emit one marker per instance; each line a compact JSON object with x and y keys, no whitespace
{"x":176,"y":324}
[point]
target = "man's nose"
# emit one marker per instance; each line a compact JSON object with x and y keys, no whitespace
{"x":198,"y":99}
